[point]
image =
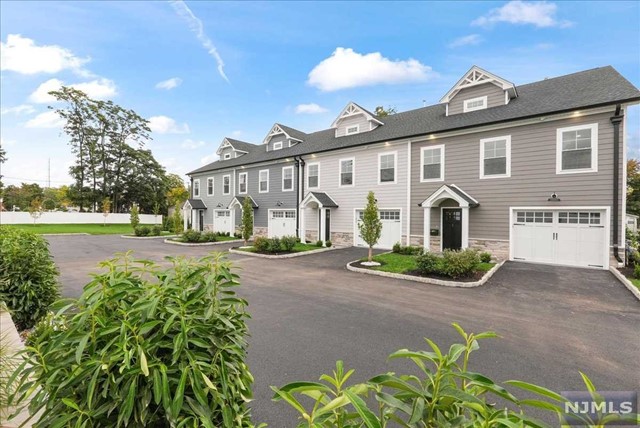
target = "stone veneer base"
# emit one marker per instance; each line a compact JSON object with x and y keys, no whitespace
{"x":281,"y":256}
{"x":634,"y":290}
{"x":425,"y":280}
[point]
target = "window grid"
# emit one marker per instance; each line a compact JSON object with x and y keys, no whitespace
{"x":263,"y":181}
{"x":226,"y":185}
{"x":432,"y":160}
{"x":196,"y":188}
{"x":313,"y":173}
{"x":346,"y":172}
{"x":242,"y":183}
{"x":387,"y":168}
{"x":210,"y":186}
{"x":287,"y":178}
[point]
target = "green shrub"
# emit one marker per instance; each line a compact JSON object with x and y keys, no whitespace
{"x":328,"y":243}
{"x":443,"y":394}
{"x":145,"y":346}
{"x":191,"y":235}
{"x":408,"y":250}
{"x":485,"y":257}
{"x":177,"y":225}
{"x":28,"y":276}
{"x":456,"y":264}
{"x":636,"y":271}
{"x":318,"y":243}
{"x":134,"y":217}
{"x":8,"y":363}
{"x":429,"y":263}
{"x":208,"y":237}
{"x":156,"y":230}
{"x":274,"y":245}
{"x":142,"y":230}
{"x":288,"y":242}
{"x":261,"y":244}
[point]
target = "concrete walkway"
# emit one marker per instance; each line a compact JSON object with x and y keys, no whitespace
{"x":10,"y":338}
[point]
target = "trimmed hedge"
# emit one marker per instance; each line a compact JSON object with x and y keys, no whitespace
{"x":454,"y":264}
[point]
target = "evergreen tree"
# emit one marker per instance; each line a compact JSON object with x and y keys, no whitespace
{"x":370,"y":227}
{"x":247,"y":219}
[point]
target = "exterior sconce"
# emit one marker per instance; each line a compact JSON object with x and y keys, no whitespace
{"x":219,"y":205}
{"x":279,"y":204}
{"x":554,"y":197}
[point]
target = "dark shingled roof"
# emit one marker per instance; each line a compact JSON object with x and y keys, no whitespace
{"x":241,"y":145}
{"x":472,"y":202}
{"x":324,"y":199}
{"x":293,"y":133}
{"x":197,"y":204}
{"x":590,"y":88}
{"x":240,"y":200}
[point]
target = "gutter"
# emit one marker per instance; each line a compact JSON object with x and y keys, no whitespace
{"x":616,"y":120}
{"x":299,"y":190}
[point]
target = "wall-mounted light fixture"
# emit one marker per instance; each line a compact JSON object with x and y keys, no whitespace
{"x":219,"y":205}
{"x":279,"y":204}
{"x":554,"y":197}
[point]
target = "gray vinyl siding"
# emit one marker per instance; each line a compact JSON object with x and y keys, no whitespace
{"x":359,"y":120}
{"x":276,"y":138}
{"x":495,"y":97}
{"x":218,"y":198}
{"x":533,"y":176}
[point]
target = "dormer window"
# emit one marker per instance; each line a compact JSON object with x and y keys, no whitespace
{"x":474,"y":104}
{"x":277,"y":145}
{"x":227,"y":156}
{"x":352,"y":129}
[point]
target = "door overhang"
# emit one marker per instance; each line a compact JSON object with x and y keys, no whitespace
{"x":238,"y":202}
{"x":450,"y":191}
{"x":318,"y":200}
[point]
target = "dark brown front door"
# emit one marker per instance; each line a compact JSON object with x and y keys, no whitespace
{"x":451,"y":228}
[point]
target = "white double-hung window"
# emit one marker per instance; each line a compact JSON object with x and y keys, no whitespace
{"x":226,"y":184}
{"x":432,"y":163}
{"x":287,"y":179}
{"x":210,"y":186}
{"x":313,"y":175}
{"x":577,"y":149}
{"x":242,"y":183}
{"x":263,"y":181}
{"x":346,"y":172}
{"x":495,"y":157}
{"x":387,"y":168}
{"x":196,"y":188}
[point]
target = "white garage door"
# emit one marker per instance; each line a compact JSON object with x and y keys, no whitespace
{"x":391,"y":229}
{"x":567,"y":237}
{"x":222,"y":221}
{"x":282,"y":223}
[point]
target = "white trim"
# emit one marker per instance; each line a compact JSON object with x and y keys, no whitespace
{"x":483,"y":141}
{"x":213,"y":186}
{"x":506,"y":97}
{"x":353,"y":109}
{"x":594,"y":148}
{"x":353,"y":172}
{"x":277,"y":145}
{"x":356,"y":232}
{"x":308,"y":175}
{"x":464,"y":213}
{"x":623,"y":192}
{"x":292,"y":180}
{"x":277,"y":130}
{"x":229,"y":177}
{"x":408,"y":231}
{"x":227,"y":156}
{"x":346,"y":130}
{"x":395,"y":167}
{"x":444,"y":193}
{"x":246,"y":183}
{"x":260,"y":181}
{"x":196,"y":180}
{"x":606,"y":223}
{"x":442,"y":160}
{"x":235,"y":203}
{"x":477,"y":76}
{"x":466,"y":108}
{"x":446,"y":109}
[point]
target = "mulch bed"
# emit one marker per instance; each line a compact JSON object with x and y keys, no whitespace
{"x":476,"y":276}
{"x":626,"y":271}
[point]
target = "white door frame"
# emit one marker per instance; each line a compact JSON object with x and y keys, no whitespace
{"x":464,"y":213}
{"x":606,"y":223}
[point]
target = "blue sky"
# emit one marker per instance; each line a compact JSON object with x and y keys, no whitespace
{"x":205,"y":70}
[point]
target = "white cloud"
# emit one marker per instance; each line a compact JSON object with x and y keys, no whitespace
{"x":236,"y":133}
{"x":18,"y":110}
{"x":169,"y":84}
{"x":311,"y":108}
{"x":100,"y":89}
{"x":22,"y":55}
{"x":191,"y":144}
{"x":6,"y":143}
{"x":195,"y":25}
{"x":208,"y":159}
{"x":471,"y":39}
{"x":348,"y":69}
{"x":537,"y":13}
{"x":48,"y":119}
{"x":167,"y":125}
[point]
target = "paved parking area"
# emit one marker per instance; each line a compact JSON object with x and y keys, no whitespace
{"x":310,"y":311}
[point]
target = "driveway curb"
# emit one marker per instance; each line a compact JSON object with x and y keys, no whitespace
{"x":282,"y":256}
{"x":201,"y":244}
{"x":66,"y":234}
{"x":634,"y":290}
{"x":458,"y":284}
{"x":147,"y":237}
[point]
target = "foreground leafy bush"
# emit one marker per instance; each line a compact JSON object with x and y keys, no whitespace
{"x":144,"y":346}
{"x":454,"y":264}
{"x":191,"y":236}
{"x":288,"y":242}
{"x":428,"y":263}
{"x":445,"y":394}
{"x":408,"y":250}
{"x":28,"y":276}
{"x":261,"y":244}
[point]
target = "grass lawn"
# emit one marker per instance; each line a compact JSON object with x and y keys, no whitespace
{"x":298,"y":248}
{"x":400,"y":263}
{"x":218,"y":239}
{"x":92,"y":229}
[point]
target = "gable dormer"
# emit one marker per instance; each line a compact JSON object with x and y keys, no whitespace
{"x":478,"y":90}
{"x":231,"y":149}
{"x":353,"y":119}
{"x":281,"y":137}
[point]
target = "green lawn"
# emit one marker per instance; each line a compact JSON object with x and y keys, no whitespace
{"x":298,"y":248}
{"x":218,"y":239}
{"x":635,"y":282}
{"x":92,"y":229}
{"x":400,"y":263}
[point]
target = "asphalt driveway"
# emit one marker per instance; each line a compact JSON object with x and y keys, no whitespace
{"x":310,"y":311}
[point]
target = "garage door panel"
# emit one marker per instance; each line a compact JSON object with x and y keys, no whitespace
{"x":282,"y":223}
{"x":222,"y":221}
{"x":391,"y":229}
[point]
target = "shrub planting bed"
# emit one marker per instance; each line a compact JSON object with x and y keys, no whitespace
{"x":196,"y":237}
{"x":279,"y":246}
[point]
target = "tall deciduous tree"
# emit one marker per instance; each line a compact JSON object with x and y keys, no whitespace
{"x":247,"y":219}
{"x":380,"y":111}
{"x":370,"y":227}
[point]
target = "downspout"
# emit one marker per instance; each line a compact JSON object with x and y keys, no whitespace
{"x":299,"y":190}
{"x":616,"y":120}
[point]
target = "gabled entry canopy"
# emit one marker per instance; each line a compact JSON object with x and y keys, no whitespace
{"x":321,"y":199}
{"x":194,"y":204}
{"x":449,"y":192}
{"x":238,"y":201}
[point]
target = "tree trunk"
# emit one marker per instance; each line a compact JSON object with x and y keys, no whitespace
{"x":370,"y":254}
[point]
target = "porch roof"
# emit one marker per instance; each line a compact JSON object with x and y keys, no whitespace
{"x":322,"y":199}
{"x":195,"y":204}
{"x":239,"y":200}
{"x":450,"y":191}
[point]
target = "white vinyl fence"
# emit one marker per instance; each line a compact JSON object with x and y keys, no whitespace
{"x":11,"y":217}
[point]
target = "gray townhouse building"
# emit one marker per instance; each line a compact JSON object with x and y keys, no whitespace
{"x":534,"y":172}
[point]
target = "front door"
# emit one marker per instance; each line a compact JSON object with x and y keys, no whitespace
{"x":327,"y":227}
{"x":451,"y":228}
{"x":201,"y":220}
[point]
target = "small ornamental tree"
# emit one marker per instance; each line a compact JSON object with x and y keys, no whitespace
{"x":35,"y":209}
{"x":176,"y":220}
{"x":106,"y":209}
{"x":247,"y":219}
{"x":370,"y":227}
{"x":134,"y":217}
